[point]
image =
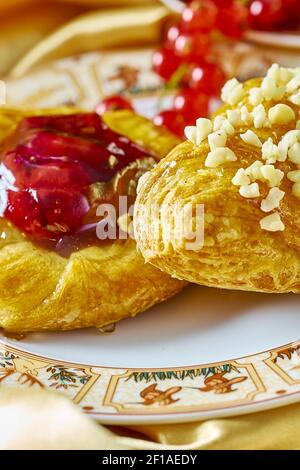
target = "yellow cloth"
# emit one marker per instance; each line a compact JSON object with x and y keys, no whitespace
{"x":35,"y":419}
{"x":31,"y":33}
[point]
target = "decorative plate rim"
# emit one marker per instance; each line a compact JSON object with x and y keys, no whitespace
{"x":103,"y":392}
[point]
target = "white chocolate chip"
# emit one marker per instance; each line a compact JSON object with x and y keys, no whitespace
{"x":250,"y":190}
{"x":268,"y":88}
{"x":272,"y":200}
{"x":236,"y":95}
{"x":294,"y":176}
{"x":270,"y":151}
{"x":246,"y":116}
{"x":272,"y":223}
{"x":298,"y":125}
{"x":274,"y":73}
{"x":249,"y":137}
{"x":240,"y":178}
{"x":281,"y":75}
{"x":227,"y":127}
{"x":295,"y":99}
{"x":232,"y":92}
{"x":296,"y":190}
{"x":234,"y":117}
{"x":293,"y":84}
{"x":281,"y":114}
{"x":254,"y":171}
{"x":260,"y":117}
{"x":217,"y":139}
{"x":190,"y":132}
{"x":255,"y":96}
{"x":218,"y":122}
{"x":294,"y":153}
{"x":204,"y":128}
{"x":287,"y":141}
{"x":272,"y":175}
{"x":219,"y":156}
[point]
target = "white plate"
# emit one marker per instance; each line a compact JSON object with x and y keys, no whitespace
{"x":204,"y":353}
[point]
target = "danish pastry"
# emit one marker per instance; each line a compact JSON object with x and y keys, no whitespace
{"x":56,"y":168}
{"x":243,"y":168}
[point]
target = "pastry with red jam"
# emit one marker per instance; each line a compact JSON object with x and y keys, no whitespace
{"x":59,"y":268}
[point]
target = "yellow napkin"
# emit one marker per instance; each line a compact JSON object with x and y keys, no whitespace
{"x":35,"y":419}
{"x":31,"y":33}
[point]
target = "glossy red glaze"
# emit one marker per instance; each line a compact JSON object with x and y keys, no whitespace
{"x":54,"y":159}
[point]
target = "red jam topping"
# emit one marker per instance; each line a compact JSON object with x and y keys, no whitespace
{"x":55,"y":161}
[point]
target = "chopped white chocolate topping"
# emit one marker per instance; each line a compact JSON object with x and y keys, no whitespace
{"x":190,"y":132}
{"x":227,"y":127}
{"x":219,"y":156}
{"x":272,"y":175}
{"x":272,"y":200}
{"x":293,"y":84}
{"x":263,"y":106}
{"x":218,"y":122}
{"x":250,"y":190}
{"x":294,"y":176}
{"x":268,"y":88}
{"x":240,"y":178}
{"x":260,"y":117}
{"x":234,"y":117}
{"x":272,"y":223}
{"x":270,"y":151}
{"x":232,"y":92}
{"x":217,"y":139}
{"x":287,"y":141}
{"x":295,"y":99}
{"x":281,"y":114}
{"x":294,"y":153}
{"x":296,"y":190}
{"x":256,"y":96}
{"x":254,"y":171}
{"x":204,"y":128}
{"x":249,"y":137}
{"x":246,"y":116}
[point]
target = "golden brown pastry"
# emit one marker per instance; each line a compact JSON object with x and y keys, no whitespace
{"x":55,"y":274}
{"x":244,"y":167}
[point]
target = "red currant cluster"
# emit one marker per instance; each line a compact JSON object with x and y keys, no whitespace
{"x":187,"y":47}
{"x":184,"y":58}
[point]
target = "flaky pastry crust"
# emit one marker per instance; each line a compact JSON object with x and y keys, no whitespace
{"x":96,"y":286}
{"x":237,"y":253}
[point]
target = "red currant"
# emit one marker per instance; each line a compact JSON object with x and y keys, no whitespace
{"x":192,"y":46}
{"x":191,"y":104}
{"x":172,"y":120}
{"x":165,"y":63}
{"x":223,"y":3}
{"x":233,"y":20}
{"x":200,"y":15}
{"x":112,"y":103}
{"x":207,"y":78}
{"x":267,"y":14}
{"x":172,"y":34}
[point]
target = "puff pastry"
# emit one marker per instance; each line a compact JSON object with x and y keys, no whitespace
{"x":93,"y":286}
{"x":244,"y":167}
